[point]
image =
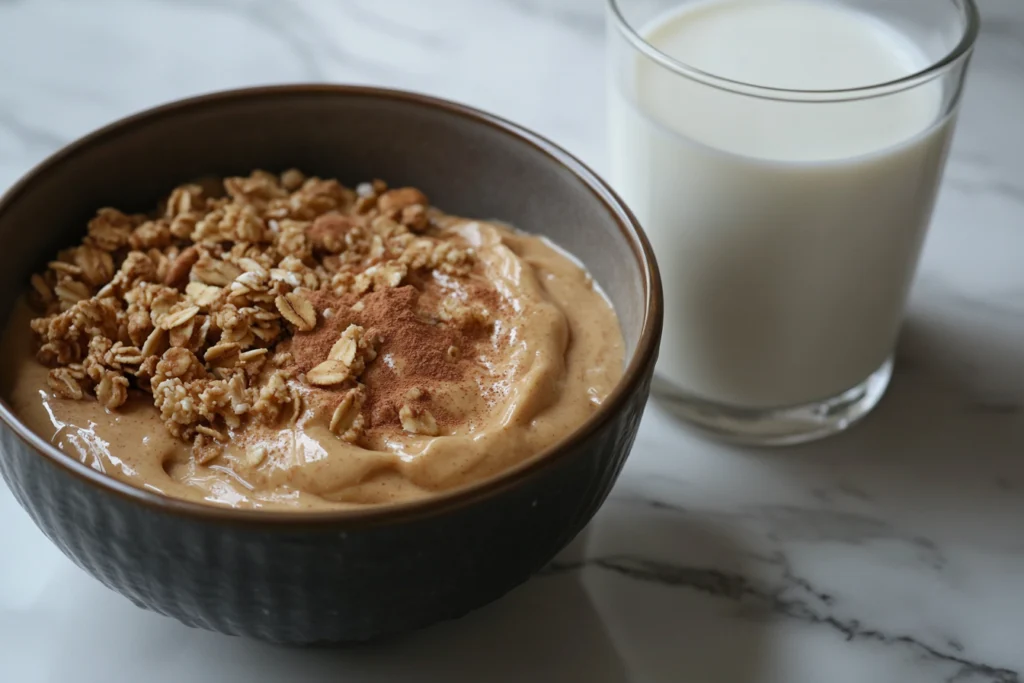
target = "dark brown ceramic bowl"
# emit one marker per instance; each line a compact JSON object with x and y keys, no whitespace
{"x":346,"y":575}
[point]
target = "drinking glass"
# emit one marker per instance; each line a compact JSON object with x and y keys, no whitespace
{"x":787,"y":221}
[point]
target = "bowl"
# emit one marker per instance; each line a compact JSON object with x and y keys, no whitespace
{"x":347,"y":575}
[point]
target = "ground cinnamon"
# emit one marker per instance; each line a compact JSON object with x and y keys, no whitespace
{"x":417,"y":351}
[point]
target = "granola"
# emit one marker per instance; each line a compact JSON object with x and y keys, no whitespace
{"x":190,"y":303}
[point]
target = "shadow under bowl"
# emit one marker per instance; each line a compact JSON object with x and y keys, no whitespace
{"x":344,"y":575}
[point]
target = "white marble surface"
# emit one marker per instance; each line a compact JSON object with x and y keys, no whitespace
{"x":893,"y":553}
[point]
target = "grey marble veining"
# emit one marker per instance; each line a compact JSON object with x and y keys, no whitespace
{"x":892,"y":553}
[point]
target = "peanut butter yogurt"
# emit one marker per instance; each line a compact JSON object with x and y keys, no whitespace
{"x":285,"y":342}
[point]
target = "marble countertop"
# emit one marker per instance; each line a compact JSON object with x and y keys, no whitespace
{"x":892,"y":553}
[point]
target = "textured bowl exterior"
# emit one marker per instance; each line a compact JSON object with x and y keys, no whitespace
{"x":321,"y":583}
{"x":331,"y":577}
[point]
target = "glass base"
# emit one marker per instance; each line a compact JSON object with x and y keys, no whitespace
{"x":777,"y":426}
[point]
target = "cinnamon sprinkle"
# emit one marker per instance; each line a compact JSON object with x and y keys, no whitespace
{"x":413,"y":358}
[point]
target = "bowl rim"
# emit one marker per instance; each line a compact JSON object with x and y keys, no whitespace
{"x":642,"y":358}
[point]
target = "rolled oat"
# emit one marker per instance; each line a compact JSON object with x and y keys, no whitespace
{"x":189,"y":303}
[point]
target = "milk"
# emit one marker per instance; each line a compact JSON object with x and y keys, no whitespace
{"x":787,"y":232}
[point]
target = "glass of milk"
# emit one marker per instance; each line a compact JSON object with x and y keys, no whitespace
{"x":784,"y":157}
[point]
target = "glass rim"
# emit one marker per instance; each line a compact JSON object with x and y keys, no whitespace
{"x":961,"y":51}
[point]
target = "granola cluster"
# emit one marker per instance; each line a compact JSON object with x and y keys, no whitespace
{"x":190,"y":304}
